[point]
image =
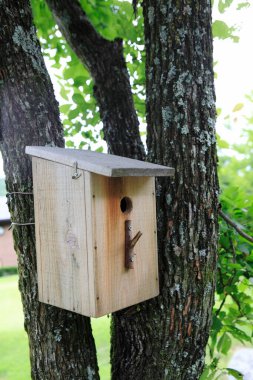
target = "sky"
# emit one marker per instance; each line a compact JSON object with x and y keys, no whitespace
{"x":234,"y":73}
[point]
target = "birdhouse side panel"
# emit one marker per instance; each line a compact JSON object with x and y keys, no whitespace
{"x":90,"y":242}
{"x":61,"y":241}
{"x":115,"y":201}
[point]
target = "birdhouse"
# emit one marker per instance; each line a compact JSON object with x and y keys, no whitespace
{"x":95,"y":221}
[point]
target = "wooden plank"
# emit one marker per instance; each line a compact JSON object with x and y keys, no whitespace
{"x":100,"y":163}
{"x":90,"y":242}
{"x":118,"y":287}
{"x":61,"y":243}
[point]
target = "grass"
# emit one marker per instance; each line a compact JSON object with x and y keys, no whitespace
{"x":101,"y":333}
{"x":14,"y":363}
{"x":14,"y":353}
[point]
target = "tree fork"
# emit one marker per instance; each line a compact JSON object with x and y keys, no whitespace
{"x":106,"y":64}
{"x":61,"y":342}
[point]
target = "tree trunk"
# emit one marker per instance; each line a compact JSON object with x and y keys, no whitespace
{"x":106,"y":64}
{"x":165,"y":338}
{"x":61,"y":342}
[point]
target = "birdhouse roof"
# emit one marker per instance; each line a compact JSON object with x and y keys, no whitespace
{"x":100,"y":163}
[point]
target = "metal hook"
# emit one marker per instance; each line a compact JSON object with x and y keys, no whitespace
{"x":75,"y":175}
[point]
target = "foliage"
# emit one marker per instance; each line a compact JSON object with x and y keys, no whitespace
{"x":79,"y":112}
{"x":112,"y":19}
{"x":221,"y":29}
{"x":6,"y":271}
{"x":233,"y":311}
{"x":240,"y":165}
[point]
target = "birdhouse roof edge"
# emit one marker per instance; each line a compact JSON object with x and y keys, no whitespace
{"x":100,"y":163}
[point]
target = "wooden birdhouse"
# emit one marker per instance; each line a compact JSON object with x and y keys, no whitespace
{"x":95,"y":220}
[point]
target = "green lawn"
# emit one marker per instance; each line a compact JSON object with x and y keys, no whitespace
{"x":14,"y":356}
{"x":14,"y":363}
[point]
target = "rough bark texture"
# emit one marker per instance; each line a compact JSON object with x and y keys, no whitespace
{"x":105,"y":61}
{"x":61,"y":343}
{"x":165,"y":338}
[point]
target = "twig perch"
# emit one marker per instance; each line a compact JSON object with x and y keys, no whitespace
{"x":235,"y":226}
{"x":130,"y":243}
{"x":135,"y":239}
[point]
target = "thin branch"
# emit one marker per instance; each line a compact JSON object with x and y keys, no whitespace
{"x":220,"y":275}
{"x":135,"y":4}
{"x":237,"y":303}
{"x":230,"y":281}
{"x":221,"y":305}
{"x":233,"y":249}
{"x":235,"y":226}
{"x":106,"y":63}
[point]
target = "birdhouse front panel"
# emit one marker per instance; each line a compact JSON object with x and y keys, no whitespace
{"x":95,"y":222}
{"x":61,"y":239}
{"x":121,"y":206}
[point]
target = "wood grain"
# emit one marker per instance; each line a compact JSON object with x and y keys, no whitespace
{"x":100,"y":163}
{"x":61,"y":243}
{"x":80,"y":239}
{"x":117,"y":287}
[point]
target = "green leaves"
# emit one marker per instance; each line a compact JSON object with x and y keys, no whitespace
{"x":65,"y":108}
{"x":213,"y":372}
{"x":233,"y":310}
{"x":80,"y":81}
{"x":64,"y":93}
{"x":242,"y":5}
{"x":73,"y":113}
{"x":224,"y":344}
{"x":238,"y":107}
{"x":224,"y":4}
{"x":222,"y":31}
{"x":78,"y":99}
{"x":237,"y":375}
{"x":112,"y":19}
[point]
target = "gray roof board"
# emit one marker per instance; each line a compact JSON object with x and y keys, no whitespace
{"x":105,"y":164}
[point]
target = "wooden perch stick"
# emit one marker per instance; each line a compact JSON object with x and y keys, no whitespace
{"x":235,"y":226}
{"x":135,"y":239}
{"x":130,"y":244}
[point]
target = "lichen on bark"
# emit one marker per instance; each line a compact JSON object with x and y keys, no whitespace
{"x":165,"y":338}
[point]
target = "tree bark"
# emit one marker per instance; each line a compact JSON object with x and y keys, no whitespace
{"x":165,"y":338}
{"x":106,"y":64}
{"x":61,"y":342}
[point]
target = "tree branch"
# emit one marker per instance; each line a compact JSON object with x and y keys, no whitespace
{"x":135,"y":4}
{"x":106,"y":64}
{"x":221,"y":305}
{"x":61,"y":342}
{"x":235,"y":226}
